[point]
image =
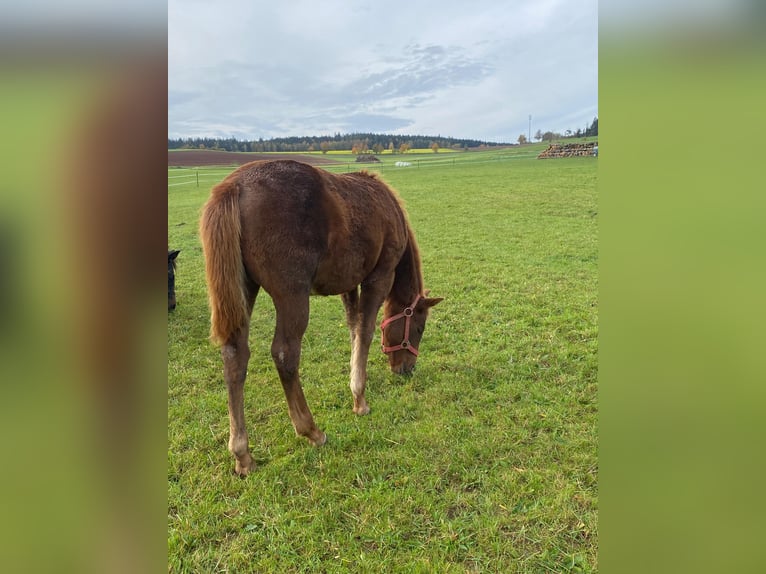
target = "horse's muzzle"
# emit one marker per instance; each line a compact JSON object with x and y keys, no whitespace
{"x":403,"y":369}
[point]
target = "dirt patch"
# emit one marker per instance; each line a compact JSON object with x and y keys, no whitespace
{"x":195,"y":158}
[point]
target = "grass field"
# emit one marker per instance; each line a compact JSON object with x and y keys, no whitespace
{"x":485,"y":460}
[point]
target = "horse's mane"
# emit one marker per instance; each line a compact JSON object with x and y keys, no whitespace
{"x":408,"y":277}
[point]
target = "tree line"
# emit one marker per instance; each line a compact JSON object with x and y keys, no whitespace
{"x":549,"y":136}
{"x":363,"y":142}
{"x":355,"y":143}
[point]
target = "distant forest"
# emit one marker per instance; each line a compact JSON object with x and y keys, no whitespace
{"x":357,"y":143}
{"x":363,"y":142}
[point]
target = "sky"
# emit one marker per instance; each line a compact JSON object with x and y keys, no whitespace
{"x":263,"y":69}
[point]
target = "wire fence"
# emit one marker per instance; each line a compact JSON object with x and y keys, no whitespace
{"x":208,"y":175}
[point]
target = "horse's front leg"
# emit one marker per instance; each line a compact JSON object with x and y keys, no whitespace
{"x":359,"y":354}
{"x":365,"y":328}
{"x":235,"y":355}
{"x":351,"y":305}
{"x":358,"y":362}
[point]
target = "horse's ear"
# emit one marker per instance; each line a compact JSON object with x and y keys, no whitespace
{"x":173,"y":254}
{"x":430,"y":302}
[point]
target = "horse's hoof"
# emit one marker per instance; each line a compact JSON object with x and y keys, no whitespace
{"x":243,"y":469}
{"x":320,"y":440}
{"x":361,"y":407}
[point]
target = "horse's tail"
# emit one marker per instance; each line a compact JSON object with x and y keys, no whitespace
{"x":220,"y":231}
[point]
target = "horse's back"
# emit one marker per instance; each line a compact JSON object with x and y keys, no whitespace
{"x":317,"y":230}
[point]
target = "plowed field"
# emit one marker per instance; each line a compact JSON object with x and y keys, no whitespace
{"x":192,"y":158}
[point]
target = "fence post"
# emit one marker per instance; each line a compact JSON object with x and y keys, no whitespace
{"x":197,"y":172}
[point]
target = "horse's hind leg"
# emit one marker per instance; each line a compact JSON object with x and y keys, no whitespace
{"x":235,"y":355}
{"x":292,"y":320}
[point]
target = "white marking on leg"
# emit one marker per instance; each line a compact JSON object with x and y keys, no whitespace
{"x":358,"y":375}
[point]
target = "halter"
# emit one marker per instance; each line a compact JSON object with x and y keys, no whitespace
{"x":405,"y":344}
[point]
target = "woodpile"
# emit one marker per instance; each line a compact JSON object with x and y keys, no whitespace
{"x":569,"y":150}
{"x":367,"y":158}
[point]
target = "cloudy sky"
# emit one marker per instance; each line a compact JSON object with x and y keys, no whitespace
{"x":251,"y":68}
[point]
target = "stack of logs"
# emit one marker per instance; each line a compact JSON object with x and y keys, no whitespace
{"x":568,"y":150}
{"x":367,"y":158}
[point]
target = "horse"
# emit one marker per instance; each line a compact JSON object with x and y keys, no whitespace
{"x":295,"y":231}
{"x":172,"y":278}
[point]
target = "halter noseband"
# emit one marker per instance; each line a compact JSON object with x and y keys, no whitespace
{"x":405,"y":344}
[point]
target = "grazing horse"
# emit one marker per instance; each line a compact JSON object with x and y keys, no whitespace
{"x":294,"y":231}
{"x":172,"y":278}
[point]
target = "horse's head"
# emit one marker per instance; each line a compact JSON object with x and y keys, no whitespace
{"x":172,"y":279}
{"x":402,"y":332}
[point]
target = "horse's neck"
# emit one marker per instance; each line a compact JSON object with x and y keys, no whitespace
{"x":408,"y":278}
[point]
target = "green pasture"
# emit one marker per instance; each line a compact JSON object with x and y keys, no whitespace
{"x":485,"y":460}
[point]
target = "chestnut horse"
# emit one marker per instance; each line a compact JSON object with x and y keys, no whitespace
{"x":294,"y":231}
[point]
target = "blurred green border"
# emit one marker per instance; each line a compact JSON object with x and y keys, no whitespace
{"x":682,"y":288}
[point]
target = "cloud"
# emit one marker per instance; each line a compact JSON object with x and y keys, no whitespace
{"x":306,"y":68}
{"x":295,"y":98}
{"x":421,"y":71}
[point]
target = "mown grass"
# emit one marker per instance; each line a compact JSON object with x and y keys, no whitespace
{"x":484,"y":461}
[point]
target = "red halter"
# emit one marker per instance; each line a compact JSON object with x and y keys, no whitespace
{"x":405,"y":344}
